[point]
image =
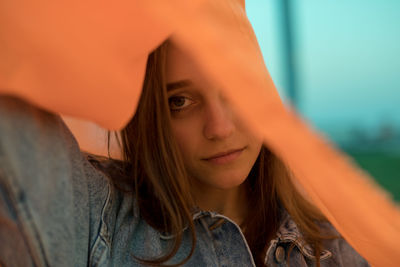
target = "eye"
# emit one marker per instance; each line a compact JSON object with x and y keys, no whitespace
{"x":177,"y":103}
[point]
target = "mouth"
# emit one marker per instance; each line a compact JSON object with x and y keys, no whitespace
{"x":225,"y":156}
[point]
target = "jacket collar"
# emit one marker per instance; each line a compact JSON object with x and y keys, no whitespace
{"x":289,"y":232}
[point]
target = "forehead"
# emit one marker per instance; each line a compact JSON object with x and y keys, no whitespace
{"x":180,"y":66}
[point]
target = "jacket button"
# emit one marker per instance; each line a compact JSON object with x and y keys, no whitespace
{"x":280,"y":254}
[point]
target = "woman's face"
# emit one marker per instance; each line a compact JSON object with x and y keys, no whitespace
{"x":217,"y":150}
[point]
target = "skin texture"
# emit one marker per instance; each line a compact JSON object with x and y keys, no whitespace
{"x":205,"y":126}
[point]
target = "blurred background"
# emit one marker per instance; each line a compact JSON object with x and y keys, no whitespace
{"x":338,"y":63}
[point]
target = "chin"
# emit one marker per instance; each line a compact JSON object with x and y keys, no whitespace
{"x":226,"y":181}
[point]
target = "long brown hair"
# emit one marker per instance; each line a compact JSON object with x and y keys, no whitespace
{"x":157,"y":176}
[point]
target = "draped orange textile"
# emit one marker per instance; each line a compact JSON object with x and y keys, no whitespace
{"x":86,"y":59}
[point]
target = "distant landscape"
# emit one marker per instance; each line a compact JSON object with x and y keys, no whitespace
{"x":375,"y":151}
{"x":339,"y":62}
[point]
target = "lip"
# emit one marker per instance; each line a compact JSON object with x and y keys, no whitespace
{"x":225,"y":157}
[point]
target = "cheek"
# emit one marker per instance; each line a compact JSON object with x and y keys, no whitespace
{"x":257,"y":144}
{"x":254,"y":141}
{"x":186,"y":136}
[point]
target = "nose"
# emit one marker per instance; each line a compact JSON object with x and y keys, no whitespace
{"x":219,"y":120}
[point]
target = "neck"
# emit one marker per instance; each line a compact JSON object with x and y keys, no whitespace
{"x":231,"y":202}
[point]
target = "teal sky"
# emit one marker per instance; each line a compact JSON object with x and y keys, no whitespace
{"x":347,"y":56}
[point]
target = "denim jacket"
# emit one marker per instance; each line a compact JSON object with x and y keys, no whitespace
{"x":59,"y":208}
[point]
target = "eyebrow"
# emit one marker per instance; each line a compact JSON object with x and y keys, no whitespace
{"x":179,"y":84}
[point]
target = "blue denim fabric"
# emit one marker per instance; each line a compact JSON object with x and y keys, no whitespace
{"x":58,"y":208}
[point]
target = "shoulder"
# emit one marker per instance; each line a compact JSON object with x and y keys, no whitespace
{"x":343,"y":254}
{"x":108,"y":180}
{"x":118,"y":207}
{"x":116,"y":175}
{"x":108,"y":166}
{"x":290,"y":245}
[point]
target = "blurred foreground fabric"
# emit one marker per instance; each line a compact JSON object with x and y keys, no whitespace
{"x":87,"y":59}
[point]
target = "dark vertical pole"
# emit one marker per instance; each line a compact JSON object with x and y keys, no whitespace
{"x":288,"y":54}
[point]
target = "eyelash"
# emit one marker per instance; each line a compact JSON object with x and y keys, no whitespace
{"x":178,"y":109}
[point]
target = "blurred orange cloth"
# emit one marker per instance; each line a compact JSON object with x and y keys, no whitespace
{"x":86,"y":59}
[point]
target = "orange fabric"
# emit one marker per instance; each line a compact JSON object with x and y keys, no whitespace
{"x":80,"y":58}
{"x":86,"y":59}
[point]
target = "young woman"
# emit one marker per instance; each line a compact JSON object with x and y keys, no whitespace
{"x":194,"y":188}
